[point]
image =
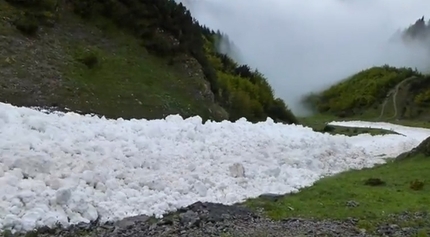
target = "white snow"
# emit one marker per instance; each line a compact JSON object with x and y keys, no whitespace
{"x":70,"y":168}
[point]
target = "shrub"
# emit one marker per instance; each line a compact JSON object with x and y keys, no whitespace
{"x":48,"y":5}
{"x":374,"y":182}
{"x":46,"y":18}
{"x":328,"y":128}
{"x":159,"y":45}
{"x":280,"y":111}
{"x":89,"y":58}
{"x":27,"y":24}
{"x":416,"y":185}
{"x":83,"y":8}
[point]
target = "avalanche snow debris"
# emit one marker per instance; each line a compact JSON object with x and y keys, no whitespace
{"x":68,"y":168}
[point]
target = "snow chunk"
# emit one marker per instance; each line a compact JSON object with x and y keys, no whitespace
{"x":237,"y":170}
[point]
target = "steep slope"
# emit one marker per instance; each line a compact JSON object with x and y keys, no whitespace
{"x":124,"y":58}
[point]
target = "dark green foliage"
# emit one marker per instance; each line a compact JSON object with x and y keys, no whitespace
{"x":36,"y":13}
{"x":27,"y":24}
{"x":244,"y":71}
{"x":374,"y":182}
{"x":416,"y":185}
{"x":160,"y":45}
{"x":84,"y":8}
{"x":278,"y":109}
{"x":420,"y":89}
{"x":328,"y":128}
{"x":47,"y":5}
{"x":90,"y":60}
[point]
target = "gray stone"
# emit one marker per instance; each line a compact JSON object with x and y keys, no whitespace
{"x":237,"y":170}
{"x":352,"y":204}
{"x":131,"y":221}
{"x":189,"y":218}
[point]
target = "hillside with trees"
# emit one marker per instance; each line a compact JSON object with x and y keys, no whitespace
{"x":382,"y":92}
{"x":379,"y":93}
{"x":150,"y":58}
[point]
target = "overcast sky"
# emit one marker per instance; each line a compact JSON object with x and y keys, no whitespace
{"x":305,"y":45}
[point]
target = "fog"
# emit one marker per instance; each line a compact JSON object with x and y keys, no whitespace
{"x":306,"y":45}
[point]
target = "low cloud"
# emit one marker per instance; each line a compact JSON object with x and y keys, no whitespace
{"x":305,"y":45}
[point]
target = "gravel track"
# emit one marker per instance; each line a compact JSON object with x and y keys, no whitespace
{"x":211,"y":219}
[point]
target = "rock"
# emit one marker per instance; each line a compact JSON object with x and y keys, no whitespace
{"x":352,"y":204}
{"x":422,"y":148}
{"x":218,"y":112}
{"x":189,"y":218}
{"x":237,"y":170}
{"x":131,"y":221}
{"x":271,"y":196}
{"x":63,"y":195}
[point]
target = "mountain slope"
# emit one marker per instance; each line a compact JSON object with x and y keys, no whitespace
{"x":377,"y":93}
{"x":125,"y":58}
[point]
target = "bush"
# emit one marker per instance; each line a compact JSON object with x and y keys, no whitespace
{"x":280,"y":111}
{"x":27,"y":24}
{"x":159,"y":45}
{"x":89,"y":58}
{"x":46,"y":18}
{"x":83,"y":8}
{"x":416,"y":185}
{"x":48,"y":5}
{"x":328,"y":128}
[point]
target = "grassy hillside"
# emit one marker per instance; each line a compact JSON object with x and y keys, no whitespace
{"x":379,"y":93}
{"x":125,"y":58}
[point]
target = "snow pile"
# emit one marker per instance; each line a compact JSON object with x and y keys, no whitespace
{"x":419,"y":134}
{"x":389,"y":148}
{"x":70,"y":168}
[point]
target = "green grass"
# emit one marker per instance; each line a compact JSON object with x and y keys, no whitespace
{"x":127,"y":80}
{"x":328,"y":197}
{"x":130,"y":80}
